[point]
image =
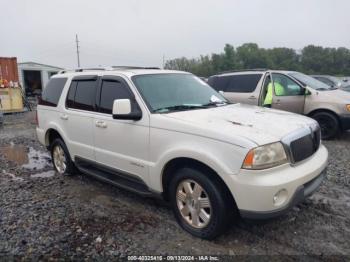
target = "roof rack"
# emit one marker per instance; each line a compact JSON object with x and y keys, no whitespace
{"x":243,"y":70}
{"x":106,"y":68}
{"x":85,"y":69}
{"x":134,"y":67}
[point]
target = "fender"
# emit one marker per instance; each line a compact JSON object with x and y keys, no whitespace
{"x":54,"y":126}
{"x":207,"y":158}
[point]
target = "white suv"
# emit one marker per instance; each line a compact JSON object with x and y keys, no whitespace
{"x":167,"y":133}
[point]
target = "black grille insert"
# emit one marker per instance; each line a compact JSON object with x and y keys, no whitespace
{"x":305,"y":146}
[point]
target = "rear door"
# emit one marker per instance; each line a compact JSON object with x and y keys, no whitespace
{"x":78,"y":116}
{"x":120,"y":144}
{"x":240,"y":88}
{"x":288,"y":95}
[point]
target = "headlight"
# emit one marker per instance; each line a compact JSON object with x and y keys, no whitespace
{"x":348,"y":107}
{"x":265,"y":156}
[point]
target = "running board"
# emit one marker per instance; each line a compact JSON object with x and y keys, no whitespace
{"x":114,"y":177}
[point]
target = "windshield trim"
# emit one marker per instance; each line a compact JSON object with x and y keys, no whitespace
{"x":154,"y":111}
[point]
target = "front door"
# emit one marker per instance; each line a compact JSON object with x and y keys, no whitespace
{"x":120,"y":144}
{"x":287,"y":94}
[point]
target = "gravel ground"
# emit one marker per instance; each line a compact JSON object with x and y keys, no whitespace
{"x":44,"y":215}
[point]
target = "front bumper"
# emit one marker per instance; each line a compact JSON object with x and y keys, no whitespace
{"x":345,"y":122}
{"x":255,"y":190}
{"x":299,"y":196}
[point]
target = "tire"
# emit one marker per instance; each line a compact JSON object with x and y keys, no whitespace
{"x":59,"y":147}
{"x":329,"y":124}
{"x":221,"y":205}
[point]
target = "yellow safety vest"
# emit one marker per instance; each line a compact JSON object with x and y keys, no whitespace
{"x":279,"y":90}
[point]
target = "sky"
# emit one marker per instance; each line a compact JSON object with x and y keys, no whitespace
{"x":142,"y":32}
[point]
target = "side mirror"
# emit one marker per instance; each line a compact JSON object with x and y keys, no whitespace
{"x":122,"y":110}
{"x":221,"y":92}
{"x":307,"y":92}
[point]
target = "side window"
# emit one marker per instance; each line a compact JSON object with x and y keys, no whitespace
{"x":81,"y":95}
{"x":219,"y":83}
{"x":110,"y":91}
{"x":52,"y":92}
{"x":284,"y":86}
{"x":242,"y":83}
{"x":71,"y":94}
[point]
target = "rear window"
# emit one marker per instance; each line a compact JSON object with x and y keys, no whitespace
{"x":236,"y":83}
{"x":52,"y":92}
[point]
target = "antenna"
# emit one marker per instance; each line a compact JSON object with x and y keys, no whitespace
{"x":77,"y":42}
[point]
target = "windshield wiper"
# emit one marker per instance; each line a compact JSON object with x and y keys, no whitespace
{"x":218,"y":103}
{"x":177,"y":108}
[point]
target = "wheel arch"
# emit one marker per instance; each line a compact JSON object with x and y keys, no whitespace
{"x":50,"y":135}
{"x":176,"y":163}
{"x":321,"y":110}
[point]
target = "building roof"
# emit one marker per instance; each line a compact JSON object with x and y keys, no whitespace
{"x":30,"y":63}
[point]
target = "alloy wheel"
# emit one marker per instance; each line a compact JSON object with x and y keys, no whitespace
{"x":59,"y":159}
{"x":193,"y":203}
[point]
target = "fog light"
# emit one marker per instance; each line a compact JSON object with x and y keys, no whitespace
{"x":280,"y":197}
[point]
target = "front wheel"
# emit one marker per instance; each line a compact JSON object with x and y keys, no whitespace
{"x":329,"y":124}
{"x":200,"y":203}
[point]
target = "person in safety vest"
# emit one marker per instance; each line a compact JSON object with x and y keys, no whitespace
{"x":279,"y":91}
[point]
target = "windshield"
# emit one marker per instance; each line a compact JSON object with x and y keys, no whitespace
{"x":173,"y":92}
{"x":310,"y":81}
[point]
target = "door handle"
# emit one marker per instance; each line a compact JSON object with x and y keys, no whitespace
{"x":101,"y":124}
{"x":64,"y":117}
{"x":252,"y":97}
{"x":278,"y":102}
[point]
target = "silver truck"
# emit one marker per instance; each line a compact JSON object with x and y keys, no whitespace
{"x":301,"y":94}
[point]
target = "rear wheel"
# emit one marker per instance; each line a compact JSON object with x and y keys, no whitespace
{"x":61,"y":159}
{"x":329,"y":124}
{"x":201,"y":205}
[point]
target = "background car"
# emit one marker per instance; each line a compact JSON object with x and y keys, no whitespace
{"x":329,"y":80}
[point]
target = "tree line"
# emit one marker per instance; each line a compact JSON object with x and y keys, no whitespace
{"x":310,"y":60}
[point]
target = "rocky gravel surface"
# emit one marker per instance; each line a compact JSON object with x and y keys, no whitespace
{"x":46,"y":216}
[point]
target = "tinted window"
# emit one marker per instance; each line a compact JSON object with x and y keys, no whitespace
{"x":242,"y":83}
{"x":71,"y":94}
{"x":111,"y":90}
{"x":84,"y":95}
{"x":218,"y":83}
{"x":52,"y":92}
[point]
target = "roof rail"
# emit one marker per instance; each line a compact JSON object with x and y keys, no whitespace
{"x":106,"y":68}
{"x":243,"y":70}
{"x":91,"y":69}
{"x":134,"y":67}
{"x":85,"y":69}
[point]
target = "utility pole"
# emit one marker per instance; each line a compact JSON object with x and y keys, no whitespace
{"x":163,"y":61}
{"x":77,"y":42}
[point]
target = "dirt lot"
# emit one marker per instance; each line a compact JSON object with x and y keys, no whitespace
{"x":43,"y":215}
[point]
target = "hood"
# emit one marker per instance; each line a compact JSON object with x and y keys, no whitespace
{"x":336,"y":95}
{"x":253,"y":123}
